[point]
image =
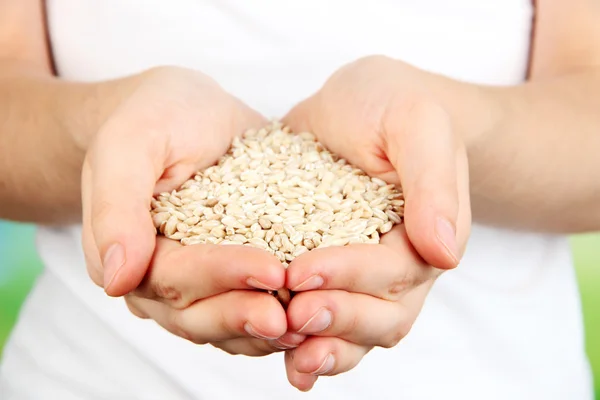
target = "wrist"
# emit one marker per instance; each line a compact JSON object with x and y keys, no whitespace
{"x":89,"y":105}
{"x":473,"y":109}
{"x":476,"y":113}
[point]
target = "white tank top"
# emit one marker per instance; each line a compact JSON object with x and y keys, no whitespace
{"x":505,"y":325}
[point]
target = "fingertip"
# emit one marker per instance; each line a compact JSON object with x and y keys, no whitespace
{"x":306,"y":383}
{"x":126,"y":262}
{"x":307,"y":272}
{"x":278,"y":321}
{"x":314,"y":359}
{"x":310,"y":312}
{"x":445,"y":232}
{"x":432,"y":236}
{"x":298,"y":119}
{"x":432,"y":251}
{"x":113,"y":261}
{"x":302,"y":382}
{"x":269,"y":274}
{"x":267,"y":317}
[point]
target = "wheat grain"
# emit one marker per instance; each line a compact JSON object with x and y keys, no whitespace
{"x":280,"y":192}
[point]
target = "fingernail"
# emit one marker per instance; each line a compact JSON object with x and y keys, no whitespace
{"x":112,"y":262}
{"x":258,"y":284}
{"x":281,"y":346}
{"x":446,"y":233}
{"x":326,"y":366}
{"x":313,"y":282}
{"x":289,"y":341}
{"x":252,"y":332}
{"x":318,"y":322}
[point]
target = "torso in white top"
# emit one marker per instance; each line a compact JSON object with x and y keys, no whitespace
{"x":505,"y":325}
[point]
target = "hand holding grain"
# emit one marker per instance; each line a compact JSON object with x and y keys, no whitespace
{"x":377,"y":114}
{"x":206,"y":293}
{"x":351,"y":299}
{"x":174,"y":123}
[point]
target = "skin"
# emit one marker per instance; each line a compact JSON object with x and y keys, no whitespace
{"x":82,"y":160}
{"x":390,"y":112}
{"x":417,"y":128}
{"x":367,"y":307}
{"x":409,"y":126}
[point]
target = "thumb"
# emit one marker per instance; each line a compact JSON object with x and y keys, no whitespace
{"x":299,"y":118}
{"x":122,"y":178}
{"x":423,"y":150}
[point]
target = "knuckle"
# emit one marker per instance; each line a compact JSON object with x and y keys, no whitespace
{"x":135,"y":310}
{"x":169,"y":293}
{"x":401,"y":329}
{"x":391,"y":341}
{"x":178,"y":324}
{"x":164,"y":281}
{"x":399,"y":285}
{"x":396,"y":289}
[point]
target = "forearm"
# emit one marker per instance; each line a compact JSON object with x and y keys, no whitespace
{"x":45,"y":126}
{"x":534,"y":155}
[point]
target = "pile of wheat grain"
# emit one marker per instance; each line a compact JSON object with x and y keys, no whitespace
{"x":281,"y":192}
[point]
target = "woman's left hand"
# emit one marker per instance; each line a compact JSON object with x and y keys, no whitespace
{"x":378,"y":114}
{"x":351,"y":299}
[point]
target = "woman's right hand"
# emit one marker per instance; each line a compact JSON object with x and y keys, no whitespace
{"x":200,"y":293}
{"x":173,"y":123}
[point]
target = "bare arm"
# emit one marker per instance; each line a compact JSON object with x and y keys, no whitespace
{"x":534,"y":148}
{"x":539,"y":166}
{"x":45,"y":122}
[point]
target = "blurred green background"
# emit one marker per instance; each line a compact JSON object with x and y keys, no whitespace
{"x":19,"y":265}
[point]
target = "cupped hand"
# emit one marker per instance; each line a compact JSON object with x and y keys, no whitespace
{"x":351,"y":299}
{"x":378,"y":114}
{"x":175,"y":122}
{"x":207,"y":294}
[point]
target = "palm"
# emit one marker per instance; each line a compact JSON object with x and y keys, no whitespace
{"x":375,"y":113}
{"x":188,"y":122}
{"x":175,"y":122}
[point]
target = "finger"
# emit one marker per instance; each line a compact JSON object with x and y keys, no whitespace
{"x":423,"y":149}
{"x":134,"y":310}
{"x":300,"y":118}
{"x":123,"y":175}
{"x":288,"y":341}
{"x":300,"y":381}
{"x":180,"y":275}
{"x":231,"y":315}
{"x":247,"y":347}
{"x":385,"y":270}
{"x":327,"y":356}
{"x":355,"y":317}
{"x":259,"y":347}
